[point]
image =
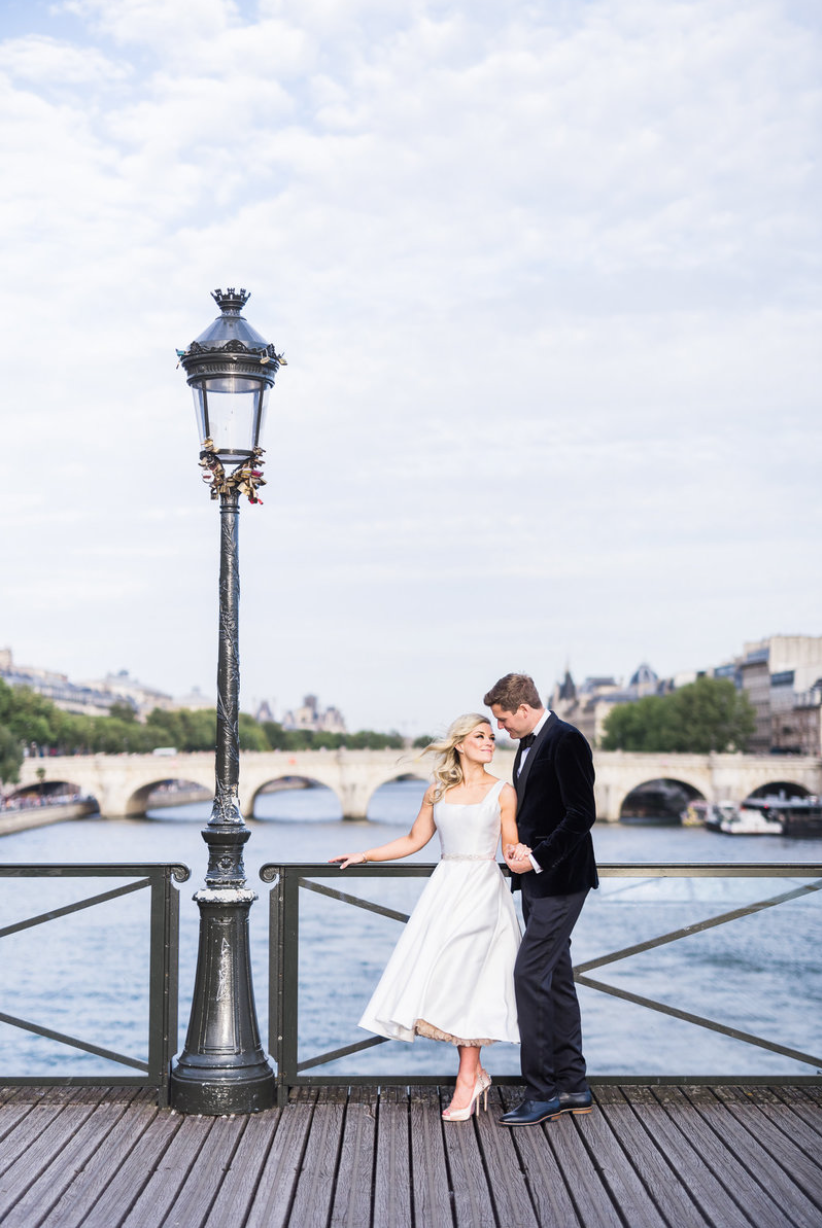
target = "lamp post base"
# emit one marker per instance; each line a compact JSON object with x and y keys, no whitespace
{"x":223,"y":1068}
{"x":206,"y":1096}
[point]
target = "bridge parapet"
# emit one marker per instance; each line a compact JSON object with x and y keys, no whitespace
{"x":715,"y":777}
{"x":120,"y":783}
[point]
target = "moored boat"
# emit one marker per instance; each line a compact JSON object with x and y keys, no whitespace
{"x":801,"y":817}
{"x":707,"y":814}
{"x":754,"y":817}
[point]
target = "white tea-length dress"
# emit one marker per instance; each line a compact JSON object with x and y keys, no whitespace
{"x":451,"y":975}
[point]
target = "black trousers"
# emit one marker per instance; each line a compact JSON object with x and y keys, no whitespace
{"x":549,"y":1019}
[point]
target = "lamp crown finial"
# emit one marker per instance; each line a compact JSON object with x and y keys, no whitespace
{"x":231,"y":301}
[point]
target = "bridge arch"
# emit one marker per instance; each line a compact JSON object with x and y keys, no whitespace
{"x":781,"y":788}
{"x":660,"y":797}
{"x":372,"y":805}
{"x":290,"y":782}
{"x":145,"y":797}
{"x":49,"y":788}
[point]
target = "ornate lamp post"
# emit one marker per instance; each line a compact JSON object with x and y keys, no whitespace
{"x":223,"y":1068}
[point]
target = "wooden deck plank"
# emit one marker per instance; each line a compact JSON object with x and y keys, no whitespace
{"x":28,"y":1148}
{"x":590,"y":1194}
{"x":280,"y":1173}
{"x":109,"y":1154}
{"x":716,"y":1151}
{"x":12,"y":1113}
{"x":160,"y":1191}
{"x":802,"y":1168}
{"x":804,"y":1107}
{"x":506,"y":1179}
{"x":782,"y":1115}
{"x":473,"y":1206}
{"x":748,"y":1149}
{"x":392,"y":1170}
{"x":48,"y":1145}
{"x":57,"y":1176}
{"x":242,"y":1175}
{"x":620,"y":1178}
{"x":429,"y":1172}
{"x":312,"y":1200}
{"x":549,"y":1193}
{"x":665,"y":1157}
{"x":355,"y":1171}
{"x":709,"y":1193}
{"x":648,"y":1162}
{"x":205,"y":1176}
{"x":126,"y":1183}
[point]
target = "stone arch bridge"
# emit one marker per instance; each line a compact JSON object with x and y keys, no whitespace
{"x":121,"y":783}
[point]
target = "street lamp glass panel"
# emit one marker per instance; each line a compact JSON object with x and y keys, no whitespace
{"x":231,"y":413}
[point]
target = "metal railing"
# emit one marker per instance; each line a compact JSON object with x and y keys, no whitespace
{"x":162,"y":971}
{"x":284,"y":918}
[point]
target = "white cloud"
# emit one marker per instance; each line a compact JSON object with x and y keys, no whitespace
{"x":159,"y":24}
{"x":46,"y":63}
{"x":528,"y":267}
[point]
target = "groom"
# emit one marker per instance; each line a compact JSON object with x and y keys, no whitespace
{"x":555,"y":868}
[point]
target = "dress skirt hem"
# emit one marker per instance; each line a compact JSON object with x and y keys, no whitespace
{"x":423,"y":1028}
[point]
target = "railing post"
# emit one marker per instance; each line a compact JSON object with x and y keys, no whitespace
{"x":287,"y":983}
{"x":170,"y":989}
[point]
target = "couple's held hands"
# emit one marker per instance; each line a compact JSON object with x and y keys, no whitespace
{"x":349,"y":859}
{"x":517,"y":858}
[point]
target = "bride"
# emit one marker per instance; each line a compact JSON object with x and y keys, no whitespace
{"x":450,"y":976}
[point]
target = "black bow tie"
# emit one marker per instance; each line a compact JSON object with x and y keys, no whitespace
{"x":528,"y":740}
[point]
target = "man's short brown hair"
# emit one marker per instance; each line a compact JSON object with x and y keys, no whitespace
{"x":513,"y":690}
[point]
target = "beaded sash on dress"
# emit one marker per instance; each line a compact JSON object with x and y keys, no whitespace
{"x":466,"y":857}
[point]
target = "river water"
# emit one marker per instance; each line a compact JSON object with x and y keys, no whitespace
{"x":86,"y":974}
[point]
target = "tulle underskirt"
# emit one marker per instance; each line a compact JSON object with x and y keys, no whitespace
{"x":427,"y":1029}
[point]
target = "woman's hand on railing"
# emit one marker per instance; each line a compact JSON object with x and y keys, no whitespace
{"x":349,"y":859}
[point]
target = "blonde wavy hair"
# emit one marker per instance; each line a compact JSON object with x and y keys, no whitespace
{"x":448,"y":771}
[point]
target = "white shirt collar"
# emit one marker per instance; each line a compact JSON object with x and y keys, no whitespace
{"x":537,"y":730}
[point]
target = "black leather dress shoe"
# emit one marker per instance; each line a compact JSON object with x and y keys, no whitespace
{"x":532,"y":1112}
{"x":575,"y":1102}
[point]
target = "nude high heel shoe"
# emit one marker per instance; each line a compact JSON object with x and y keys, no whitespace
{"x":464,"y":1114}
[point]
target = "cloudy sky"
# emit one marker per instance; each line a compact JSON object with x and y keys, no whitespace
{"x":547,"y":278}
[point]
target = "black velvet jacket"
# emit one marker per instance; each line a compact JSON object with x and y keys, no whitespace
{"x":555,"y":810}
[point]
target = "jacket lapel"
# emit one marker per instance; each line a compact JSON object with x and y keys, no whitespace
{"x":522,"y":779}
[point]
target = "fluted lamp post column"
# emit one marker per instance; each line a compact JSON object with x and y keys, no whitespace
{"x":223,"y":1067}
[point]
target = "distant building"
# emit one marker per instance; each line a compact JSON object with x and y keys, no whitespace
{"x":310,"y":716}
{"x":782,"y":677}
{"x":644,"y":682}
{"x":92,"y":698}
{"x":798,"y":730}
{"x":587,"y":706}
{"x":264,"y":712}
{"x":86,"y":699}
{"x":194,"y":701}
{"x":564,"y":692}
{"x":125,"y":689}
